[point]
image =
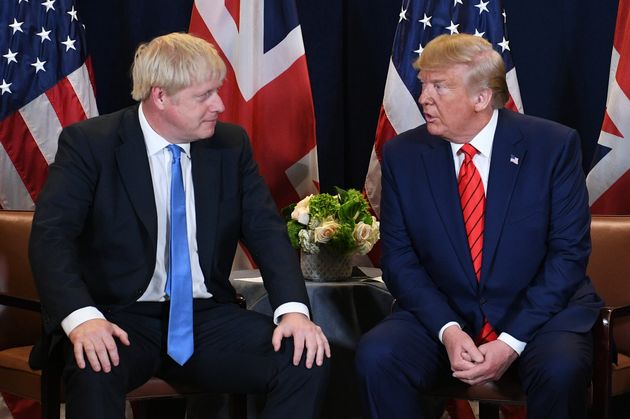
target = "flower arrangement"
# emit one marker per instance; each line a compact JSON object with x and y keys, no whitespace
{"x":340,"y":222}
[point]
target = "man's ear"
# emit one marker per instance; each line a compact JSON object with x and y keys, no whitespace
{"x":158,"y":97}
{"x":482,"y":99}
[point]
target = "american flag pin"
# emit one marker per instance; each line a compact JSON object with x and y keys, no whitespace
{"x":514,"y":159}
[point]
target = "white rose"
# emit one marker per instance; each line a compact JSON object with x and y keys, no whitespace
{"x":324,"y":232}
{"x":300,"y":212}
{"x":366,"y":236}
{"x":361,"y":232}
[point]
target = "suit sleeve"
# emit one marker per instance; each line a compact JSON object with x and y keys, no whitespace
{"x":403,"y":272}
{"x":61,"y":210}
{"x":562,"y":272}
{"x":265,"y":235}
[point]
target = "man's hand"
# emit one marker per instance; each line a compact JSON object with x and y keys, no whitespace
{"x":462,"y":352}
{"x":498,"y":356}
{"x":305,"y":333}
{"x":95,"y":339}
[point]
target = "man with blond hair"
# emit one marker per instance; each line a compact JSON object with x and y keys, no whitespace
{"x":485,"y":240}
{"x":133,"y":239}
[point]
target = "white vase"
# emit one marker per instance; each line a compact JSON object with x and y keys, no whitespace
{"x":326,"y":265}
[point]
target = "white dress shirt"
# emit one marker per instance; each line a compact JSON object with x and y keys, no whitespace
{"x":160,"y":165}
{"x":483,"y":143}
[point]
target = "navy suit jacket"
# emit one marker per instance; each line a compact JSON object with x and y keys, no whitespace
{"x":536,"y":240}
{"x":94,"y":233}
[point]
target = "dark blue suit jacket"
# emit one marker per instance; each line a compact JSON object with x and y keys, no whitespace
{"x":536,"y":240}
{"x":95,"y":226}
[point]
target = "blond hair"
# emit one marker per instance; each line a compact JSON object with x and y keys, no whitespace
{"x":485,"y":65}
{"x":174,"y":62}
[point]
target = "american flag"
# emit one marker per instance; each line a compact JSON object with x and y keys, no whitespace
{"x":267,"y":89}
{"x":44,"y":86}
{"x":420,"y":21}
{"x":609,"y":179}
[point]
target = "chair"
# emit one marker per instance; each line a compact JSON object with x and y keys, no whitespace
{"x":20,"y":328}
{"x":609,"y":269}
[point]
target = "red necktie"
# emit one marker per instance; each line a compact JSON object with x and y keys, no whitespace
{"x":473,"y":200}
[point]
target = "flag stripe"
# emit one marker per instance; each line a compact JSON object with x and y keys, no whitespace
{"x":65,"y":103}
{"x":44,"y":126}
{"x":81,"y":82}
{"x":13,"y":192}
{"x":24,"y":154}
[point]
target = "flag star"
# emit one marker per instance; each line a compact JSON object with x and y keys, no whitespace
{"x":453,"y":28}
{"x":505,"y":44}
{"x":457,"y":1}
{"x":426,"y":21}
{"x":10,"y":56}
{"x":48,"y":4}
{"x":69,"y":43}
{"x":402,"y":15}
{"x":16,"y":26}
{"x":5,"y":87}
{"x":39,"y":65}
{"x":479,"y":34}
{"x":43,"y":34}
{"x":73,"y":14}
{"x":483,"y":6}
{"x":419,"y":50}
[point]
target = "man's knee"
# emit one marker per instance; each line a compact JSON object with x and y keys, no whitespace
{"x":373,"y":357}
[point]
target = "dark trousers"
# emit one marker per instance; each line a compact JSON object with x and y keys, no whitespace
{"x":398,"y":360}
{"x":233,"y":354}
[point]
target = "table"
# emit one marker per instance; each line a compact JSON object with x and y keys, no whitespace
{"x":345,"y":311}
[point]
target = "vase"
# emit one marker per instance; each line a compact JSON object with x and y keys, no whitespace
{"x":327,"y":265}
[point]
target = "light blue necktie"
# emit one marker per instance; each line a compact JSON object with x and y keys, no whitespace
{"x":179,"y":278}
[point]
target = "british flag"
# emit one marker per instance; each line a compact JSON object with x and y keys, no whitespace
{"x":267,"y":89}
{"x":44,"y":86}
{"x":420,"y":21}
{"x":609,"y":179}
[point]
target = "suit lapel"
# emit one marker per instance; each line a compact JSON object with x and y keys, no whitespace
{"x":135,"y":173}
{"x":440,"y":173}
{"x":508,"y":155}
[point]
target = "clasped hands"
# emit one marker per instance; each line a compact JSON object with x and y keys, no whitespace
{"x":474,"y":365}
{"x":94,"y":340}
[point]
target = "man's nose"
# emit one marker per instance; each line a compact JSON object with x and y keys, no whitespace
{"x":423,"y":99}
{"x":217,"y":104}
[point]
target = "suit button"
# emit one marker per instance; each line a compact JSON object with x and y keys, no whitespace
{"x":482,"y":300}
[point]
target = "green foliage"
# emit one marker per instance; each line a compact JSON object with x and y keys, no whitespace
{"x":333,"y":221}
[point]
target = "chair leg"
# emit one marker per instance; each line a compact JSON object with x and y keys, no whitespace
{"x":238,"y":406}
{"x":488,"y":411}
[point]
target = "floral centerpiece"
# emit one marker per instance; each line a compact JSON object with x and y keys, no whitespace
{"x":328,"y":229}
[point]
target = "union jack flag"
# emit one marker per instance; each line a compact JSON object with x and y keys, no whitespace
{"x":609,"y":179}
{"x":267,"y":89}
{"x":420,"y":21}
{"x":44,"y":86}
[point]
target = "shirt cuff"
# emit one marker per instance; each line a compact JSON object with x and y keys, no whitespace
{"x":444,"y":328}
{"x":290,"y":308}
{"x":80,"y":316}
{"x":513,"y":343}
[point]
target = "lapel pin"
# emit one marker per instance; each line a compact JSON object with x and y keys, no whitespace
{"x":514,"y":159}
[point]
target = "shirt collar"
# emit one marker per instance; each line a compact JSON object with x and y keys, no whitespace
{"x":155,"y":142}
{"x":484,"y":139}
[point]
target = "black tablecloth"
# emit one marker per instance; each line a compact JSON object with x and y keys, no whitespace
{"x":344,"y":310}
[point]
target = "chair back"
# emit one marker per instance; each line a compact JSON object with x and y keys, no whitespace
{"x":18,"y":327}
{"x":609,"y":268}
